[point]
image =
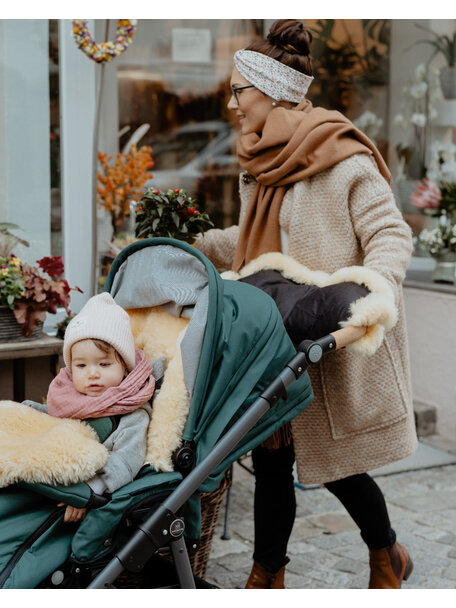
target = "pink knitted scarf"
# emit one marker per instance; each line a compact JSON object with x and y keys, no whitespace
{"x":64,"y":401}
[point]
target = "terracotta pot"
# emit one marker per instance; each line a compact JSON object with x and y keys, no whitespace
{"x":10,"y":330}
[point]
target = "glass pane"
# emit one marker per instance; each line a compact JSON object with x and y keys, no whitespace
{"x":173,"y":86}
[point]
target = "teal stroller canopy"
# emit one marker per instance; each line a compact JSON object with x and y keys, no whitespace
{"x":235,"y":345}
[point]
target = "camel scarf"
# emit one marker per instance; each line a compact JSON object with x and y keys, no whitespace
{"x":294,"y":145}
{"x":64,"y":401}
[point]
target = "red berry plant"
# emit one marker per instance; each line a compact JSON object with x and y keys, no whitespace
{"x":172,"y":214}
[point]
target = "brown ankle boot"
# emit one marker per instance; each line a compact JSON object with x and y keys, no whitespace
{"x":262,"y":579}
{"x":389,"y":567}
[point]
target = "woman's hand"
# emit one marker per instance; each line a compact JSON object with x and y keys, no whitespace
{"x":72,"y":514}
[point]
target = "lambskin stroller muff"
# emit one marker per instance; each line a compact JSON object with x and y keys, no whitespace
{"x":244,"y":380}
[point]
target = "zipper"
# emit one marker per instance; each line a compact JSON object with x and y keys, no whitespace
{"x":4,"y":575}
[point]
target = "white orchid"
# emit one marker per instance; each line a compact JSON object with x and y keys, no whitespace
{"x":418,"y":91}
{"x":418,"y":119}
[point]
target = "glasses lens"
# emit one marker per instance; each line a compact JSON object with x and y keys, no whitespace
{"x":235,"y":93}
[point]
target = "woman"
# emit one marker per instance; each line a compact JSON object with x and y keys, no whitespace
{"x":316,"y":189}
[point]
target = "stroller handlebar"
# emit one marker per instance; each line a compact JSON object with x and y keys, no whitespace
{"x":347,"y":335}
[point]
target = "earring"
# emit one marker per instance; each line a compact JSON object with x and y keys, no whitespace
{"x":274,"y":103}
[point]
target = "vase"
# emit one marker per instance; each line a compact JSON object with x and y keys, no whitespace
{"x":445,"y":267}
{"x":404,"y":189}
{"x":10,"y":330}
{"x":448,"y":81}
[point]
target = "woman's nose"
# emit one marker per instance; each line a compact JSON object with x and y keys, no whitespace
{"x":232,"y":104}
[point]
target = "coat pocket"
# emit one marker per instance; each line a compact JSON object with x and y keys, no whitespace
{"x":363,"y":394}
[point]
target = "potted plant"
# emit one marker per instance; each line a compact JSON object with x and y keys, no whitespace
{"x":27,"y":293}
{"x":438,"y":201}
{"x":172,"y":214}
{"x":446,"y":46}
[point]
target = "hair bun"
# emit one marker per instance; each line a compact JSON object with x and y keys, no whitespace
{"x":290,"y":35}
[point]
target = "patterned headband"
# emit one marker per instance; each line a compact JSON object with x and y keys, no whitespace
{"x":272,"y":77}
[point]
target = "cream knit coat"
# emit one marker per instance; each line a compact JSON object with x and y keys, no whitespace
{"x":362,"y":414}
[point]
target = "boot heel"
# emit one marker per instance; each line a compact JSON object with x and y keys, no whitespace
{"x":408,"y":570}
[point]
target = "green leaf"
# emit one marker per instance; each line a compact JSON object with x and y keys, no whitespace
{"x":155,"y":223}
{"x":10,"y":300}
{"x":176,"y":218}
{"x":184,"y":228}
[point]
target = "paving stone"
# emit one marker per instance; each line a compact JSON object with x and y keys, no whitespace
{"x":223,"y":547}
{"x":325,"y":555}
{"x":347,"y":565}
{"x":334,"y":522}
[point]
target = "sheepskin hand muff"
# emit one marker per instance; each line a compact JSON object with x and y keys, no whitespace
{"x":159,"y":333}
{"x":376,"y":311}
{"x":38,"y":448}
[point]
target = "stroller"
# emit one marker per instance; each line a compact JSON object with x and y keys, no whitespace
{"x":245,"y":380}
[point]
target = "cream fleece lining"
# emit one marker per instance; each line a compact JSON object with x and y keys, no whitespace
{"x":38,"y":448}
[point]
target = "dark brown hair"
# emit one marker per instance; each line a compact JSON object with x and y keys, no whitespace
{"x":289,"y":42}
{"x":107,"y":348}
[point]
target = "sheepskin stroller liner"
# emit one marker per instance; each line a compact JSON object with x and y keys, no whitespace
{"x":235,"y":345}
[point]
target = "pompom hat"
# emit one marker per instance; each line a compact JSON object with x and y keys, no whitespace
{"x":101,"y":319}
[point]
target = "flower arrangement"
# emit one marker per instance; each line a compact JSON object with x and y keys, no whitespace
{"x":29,"y":293}
{"x":103,"y":51}
{"x":439,"y":240}
{"x":122,"y":182}
{"x":418,"y":108}
{"x":438,"y":201}
{"x":172,"y":214}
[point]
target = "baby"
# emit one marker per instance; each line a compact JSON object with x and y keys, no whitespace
{"x":105,"y":376}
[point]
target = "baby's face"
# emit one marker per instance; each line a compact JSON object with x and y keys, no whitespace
{"x":93,"y":370}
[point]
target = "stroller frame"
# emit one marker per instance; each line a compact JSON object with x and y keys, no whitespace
{"x":164,"y":528}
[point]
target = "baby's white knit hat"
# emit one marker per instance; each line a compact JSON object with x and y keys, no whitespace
{"x":101,"y":318}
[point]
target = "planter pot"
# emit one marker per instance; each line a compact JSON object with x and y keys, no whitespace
{"x":10,"y":330}
{"x":448,"y":81}
{"x":445,"y":267}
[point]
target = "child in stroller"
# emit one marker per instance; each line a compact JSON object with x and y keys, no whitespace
{"x":105,"y":376}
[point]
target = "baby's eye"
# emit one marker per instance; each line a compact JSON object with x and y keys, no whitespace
{"x":105,"y":364}
{"x":80,"y":365}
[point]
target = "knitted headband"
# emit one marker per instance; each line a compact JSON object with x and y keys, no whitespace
{"x":272,"y":77}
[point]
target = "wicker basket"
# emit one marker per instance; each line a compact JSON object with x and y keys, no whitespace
{"x":210,"y":508}
{"x":10,"y":330}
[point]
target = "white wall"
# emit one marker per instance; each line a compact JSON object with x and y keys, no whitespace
{"x":24,"y":133}
{"x":431,"y":322}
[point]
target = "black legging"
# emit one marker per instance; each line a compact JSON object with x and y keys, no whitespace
{"x":275,"y":506}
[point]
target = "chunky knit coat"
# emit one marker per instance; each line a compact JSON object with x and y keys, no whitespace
{"x":362,"y":414}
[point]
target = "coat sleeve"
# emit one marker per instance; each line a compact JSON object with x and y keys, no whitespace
{"x":219,"y":246}
{"x":384,"y":236}
{"x":127,"y":451}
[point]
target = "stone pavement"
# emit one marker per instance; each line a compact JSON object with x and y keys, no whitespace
{"x":326,"y":550}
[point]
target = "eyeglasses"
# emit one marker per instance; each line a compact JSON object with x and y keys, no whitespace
{"x":235,"y":91}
